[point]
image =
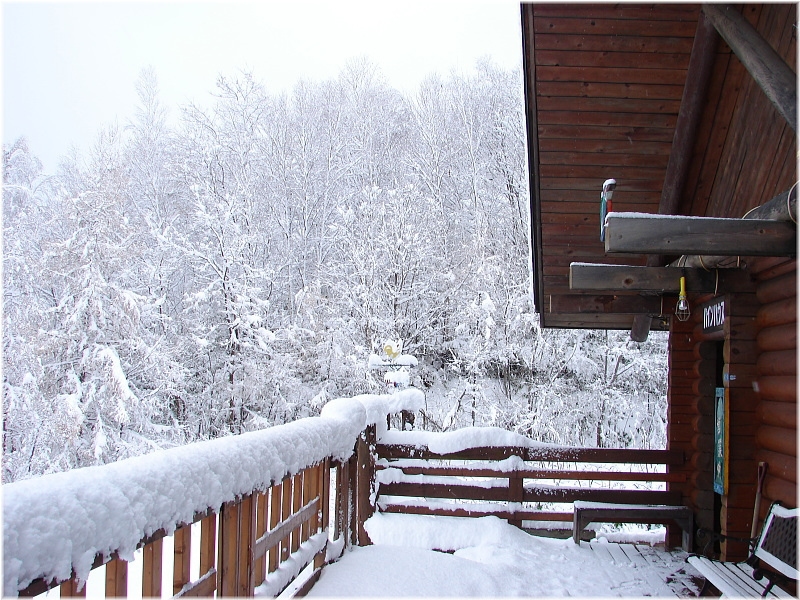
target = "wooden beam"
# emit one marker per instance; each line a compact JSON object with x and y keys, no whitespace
{"x":532,"y":135}
{"x":640,"y":328}
{"x":615,"y":322}
{"x":698,"y":75}
{"x":617,"y":304}
{"x":767,"y":68}
{"x":782,"y":207}
{"x":638,"y":233}
{"x":620,"y":278}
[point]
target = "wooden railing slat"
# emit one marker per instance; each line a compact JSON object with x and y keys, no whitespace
{"x":275,"y":535}
{"x":152,"y":555}
{"x":463,"y":510}
{"x":227,"y":554}
{"x":181,"y":560}
{"x":324,"y":487}
{"x":454,"y":471}
{"x":297,"y":503}
{"x":538,"y":454}
{"x":262,"y":506}
{"x":69,"y":589}
{"x":208,"y":543}
{"x":245,"y":582}
{"x":206,"y":585}
{"x":274,"y":519}
{"x":308,"y":493}
{"x":116,"y":578}
{"x":286,"y":511}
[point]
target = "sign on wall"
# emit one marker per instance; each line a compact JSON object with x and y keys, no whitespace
{"x":714,"y":313}
{"x":721,"y":441}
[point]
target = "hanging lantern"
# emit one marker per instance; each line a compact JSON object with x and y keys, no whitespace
{"x":682,"y":308}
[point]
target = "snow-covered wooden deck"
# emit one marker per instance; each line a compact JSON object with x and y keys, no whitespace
{"x":489,"y":557}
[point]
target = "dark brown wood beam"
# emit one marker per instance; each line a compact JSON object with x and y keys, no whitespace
{"x":532,"y":135}
{"x":616,"y":322}
{"x":636,"y":233}
{"x":782,"y":207}
{"x":698,"y":75}
{"x":662,"y":280}
{"x":606,"y":303}
{"x":767,"y":68}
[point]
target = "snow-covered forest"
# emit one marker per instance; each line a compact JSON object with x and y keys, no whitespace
{"x":211,"y":269}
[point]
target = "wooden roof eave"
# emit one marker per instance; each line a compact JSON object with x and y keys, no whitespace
{"x":529,"y":69}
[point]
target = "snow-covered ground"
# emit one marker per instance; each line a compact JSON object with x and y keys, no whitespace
{"x":488,"y":557}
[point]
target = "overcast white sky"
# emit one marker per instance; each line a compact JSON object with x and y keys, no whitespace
{"x":69,"y":68}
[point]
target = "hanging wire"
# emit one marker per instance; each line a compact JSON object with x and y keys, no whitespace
{"x":793,"y":189}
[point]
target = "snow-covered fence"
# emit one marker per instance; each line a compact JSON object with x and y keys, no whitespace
{"x":261,"y":499}
{"x":484,"y":471}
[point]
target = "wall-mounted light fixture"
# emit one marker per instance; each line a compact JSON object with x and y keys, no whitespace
{"x":605,"y":204}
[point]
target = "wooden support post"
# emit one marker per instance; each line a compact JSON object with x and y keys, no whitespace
{"x":152,"y":555}
{"x":116,"y":578}
{"x":181,"y":559}
{"x":69,"y":589}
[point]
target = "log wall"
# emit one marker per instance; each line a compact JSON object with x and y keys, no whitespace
{"x":775,"y":415}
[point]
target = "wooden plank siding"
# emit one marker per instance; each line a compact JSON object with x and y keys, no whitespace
{"x":723,"y":180}
{"x":608,"y":85}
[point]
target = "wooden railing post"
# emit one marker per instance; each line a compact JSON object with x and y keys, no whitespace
{"x":365,"y":481}
{"x":352,"y":468}
{"x":516,"y":494}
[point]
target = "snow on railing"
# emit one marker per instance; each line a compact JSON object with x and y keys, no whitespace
{"x":58,"y":527}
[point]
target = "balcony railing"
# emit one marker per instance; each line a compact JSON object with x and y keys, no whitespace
{"x":262,"y":501}
{"x":265,"y":511}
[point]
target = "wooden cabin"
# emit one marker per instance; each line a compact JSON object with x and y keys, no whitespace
{"x":692,"y":111}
